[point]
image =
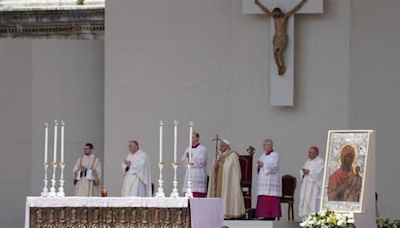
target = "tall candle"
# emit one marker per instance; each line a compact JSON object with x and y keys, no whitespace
{"x":190,"y":140}
{"x":175,"y":139}
{"x":46,"y":141}
{"x":55,"y":141}
{"x":161,"y":140}
{"x":62,"y":140}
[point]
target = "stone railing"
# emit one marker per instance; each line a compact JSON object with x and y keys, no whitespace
{"x":14,"y":5}
{"x":51,"y":19}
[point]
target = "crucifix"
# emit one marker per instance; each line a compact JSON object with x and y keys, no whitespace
{"x":282,"y":34}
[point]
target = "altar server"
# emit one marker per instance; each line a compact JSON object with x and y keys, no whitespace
{"x":269,"y":183}
{"x":198,"y":170}
{"x":87,"y":173}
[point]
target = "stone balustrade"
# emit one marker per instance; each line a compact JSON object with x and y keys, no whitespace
{"x":52,"y":19}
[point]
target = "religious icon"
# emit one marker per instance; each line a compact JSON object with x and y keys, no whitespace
{"x":345,"y":183}
{"x":345,"y":170}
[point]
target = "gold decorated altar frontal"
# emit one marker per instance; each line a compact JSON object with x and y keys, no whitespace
{"x":106,"y":212}
{"x":108,"y":217}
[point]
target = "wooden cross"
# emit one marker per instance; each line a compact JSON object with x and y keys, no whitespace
{"x":282,"y":86}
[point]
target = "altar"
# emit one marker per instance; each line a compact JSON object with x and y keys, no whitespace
{"x":122,"y":212}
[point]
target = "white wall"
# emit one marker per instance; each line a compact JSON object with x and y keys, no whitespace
{"x":15,"y":129}
{"x":40,"y":81}
{"x":68,"y":84}
{"x":374,"y":90}
{"x":203,"y":60}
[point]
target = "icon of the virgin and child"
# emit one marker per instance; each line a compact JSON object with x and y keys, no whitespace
{"x":345,"y":183}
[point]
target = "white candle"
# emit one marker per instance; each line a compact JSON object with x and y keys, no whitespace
{"x":46,"y":141}
{"x":55,"y":141}
{"x":190,"y":140}
{"x":161,"y":140}
{"x":175,"y":139}
{"x":62,"y":140}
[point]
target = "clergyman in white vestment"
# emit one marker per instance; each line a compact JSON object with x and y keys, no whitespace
{"x":136,"y":168}
{"x":87,"y":173}
{"x":224,"y":181}
{"x":311,"y":175}
{"x":198,"y":171}
{"x":269,"y":185}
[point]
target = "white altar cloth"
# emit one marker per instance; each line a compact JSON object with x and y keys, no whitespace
{"x":180,"y":202}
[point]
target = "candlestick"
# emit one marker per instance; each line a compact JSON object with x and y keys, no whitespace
{"x":161,"y":140}
{"x":55,"y":142}
{"x":53,"y":181}
{"x":190,"y":140}
{"x":45,"y":190}
{"x":54,"y":164}
{"x":189,"y":193}
{"x":61,"y":187}
{"x":175,"y":140}
{"x":46,"y":142}
{"x":62,"y":141}
{"x":160,"y":190}
{"x":175,"y":193}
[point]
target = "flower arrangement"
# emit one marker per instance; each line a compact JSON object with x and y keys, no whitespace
{"x":328,"y":219}
{"x":387,"y":223}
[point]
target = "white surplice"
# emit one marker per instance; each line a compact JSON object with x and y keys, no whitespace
{"x":137,"y":181}
{"x":87,"y":183}
{"x":198,"y":172}
{"x":311,"y":185}
{"x":269,"y":178}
